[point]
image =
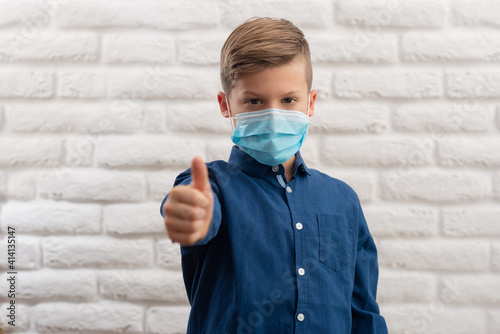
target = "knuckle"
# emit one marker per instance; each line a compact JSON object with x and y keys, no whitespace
{"x":168,"y":209}
{"x":176,"y":191}
{"x":192,"y":227}
{"x":192,"y":238}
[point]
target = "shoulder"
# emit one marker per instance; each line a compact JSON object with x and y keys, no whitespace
{"x":216,"y":169}
{"x":334,"y":184}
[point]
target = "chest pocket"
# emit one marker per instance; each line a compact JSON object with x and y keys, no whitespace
{"x":336,"y":241}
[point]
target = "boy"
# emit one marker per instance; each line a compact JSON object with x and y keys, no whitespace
{"x":269,"y":245}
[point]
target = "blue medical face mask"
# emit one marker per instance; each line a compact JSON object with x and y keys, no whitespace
{"x":271,"y":136}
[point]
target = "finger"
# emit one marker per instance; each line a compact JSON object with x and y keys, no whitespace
{"x":188,"y":195}
{"x":185,"y":211}
{"x":183,"y":238}
{"x":182,"y":226}
{"x":199,"y":174}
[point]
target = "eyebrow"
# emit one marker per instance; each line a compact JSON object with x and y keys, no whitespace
{"x":247,"y":92}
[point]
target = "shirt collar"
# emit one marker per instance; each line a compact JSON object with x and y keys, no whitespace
{"x":249,"y":165}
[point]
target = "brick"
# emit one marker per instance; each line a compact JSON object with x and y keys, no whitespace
{"x":468,"y":12}
{"x":341,"y":151}
{"x":483,"y":289}
{"x":172,"y":15}
{"x":310,"y":150}
{"x":27,"y":252}
{"x":387,"y":13}
{"x":47,"y":217}
{"x":404,"y":287}
{"x":446,"y":255}
{"x":138,"y":48}
{"x":26,"y":84}
{"x":79,"y":152}
{"x":322,"y":83}
{"x":22,"y":317}
{"x":443,"y":117}
{"x":116,"y":117}
{"x":126,"y":219}
{"x":469,"y":152}
{"x":155,"y":120}
{"x":21,"y":151}
{"x":451,"y":47}
{"x":353,"y":48}
{"x":73,"y":47}
{"x":387,"y":84}
{"x":167,"y":320}
{"x":498,"y":118}
{"x":2,"y":118}
{"x":407,"y":222}
{"x":20,"y":13}
{"x":168,"y":254}
{"x":462,"y":222}
{"x":201,"y":51}
{"x":51,"y":285}
{"x":3,"y":186}
{"x":21,"y":185}
{"x":434,"y":186}
{"x":362,"y":183}
{"x":148,"y":151}
{"x":197,"y":117}
{"x":161,"y":83}
{"x":496,"y":185}
{"x":67,"y":252}
{"x":495,"y":257}
{"x":358,"y":118}
{"x":493,"y":319}
{"x":149,"y":285}
{"x":160,"y":183}
{"x":220,"y":149}
{"x":473,"y":85}
{"x":94,"y":185}
{"x":109,"y":317}
{"x":433,"y":318}
{"x":315,"y":14}
{"x":82,"y":84}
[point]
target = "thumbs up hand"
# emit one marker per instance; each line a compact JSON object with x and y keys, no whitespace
{"x":189,"y":208}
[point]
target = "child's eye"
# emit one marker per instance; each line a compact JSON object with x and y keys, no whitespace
{"x":288,"y":100}
{"x":254,"y":101}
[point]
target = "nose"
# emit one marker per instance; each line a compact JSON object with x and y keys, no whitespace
{"x":274,"y":104}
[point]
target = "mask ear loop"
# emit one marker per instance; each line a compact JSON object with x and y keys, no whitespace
{"x":230,"y":117}
{"x":308,"y":104}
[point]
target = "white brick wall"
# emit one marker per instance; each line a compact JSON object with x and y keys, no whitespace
{"x":103,"y":103}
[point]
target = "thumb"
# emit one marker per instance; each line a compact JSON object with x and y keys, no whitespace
{"x":199,"y":175}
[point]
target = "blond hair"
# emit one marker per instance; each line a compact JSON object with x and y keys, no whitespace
{"x":260,"y":43}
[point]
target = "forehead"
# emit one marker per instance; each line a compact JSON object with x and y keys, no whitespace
{"x":274,"y":80}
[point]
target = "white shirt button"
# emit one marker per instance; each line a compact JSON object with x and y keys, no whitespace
{"x":301,"y":271}
{"x":288,"y":189}
{"x":299,"y":226}
{"x":300,"y":317}
{"x":275,"y":168}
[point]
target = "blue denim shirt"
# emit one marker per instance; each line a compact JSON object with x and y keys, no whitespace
{"x":281,"y":257}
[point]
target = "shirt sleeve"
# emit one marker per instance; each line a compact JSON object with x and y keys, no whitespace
{"x":366,"y":318}
{"x":184,"y":179}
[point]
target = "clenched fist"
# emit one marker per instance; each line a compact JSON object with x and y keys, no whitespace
{"x":189,"y":208}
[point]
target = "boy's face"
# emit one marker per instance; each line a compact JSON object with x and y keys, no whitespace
{"x":281,"y":87}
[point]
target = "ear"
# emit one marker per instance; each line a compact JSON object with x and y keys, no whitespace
{"x":313,"y":95}
{"x":221,"y":98}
